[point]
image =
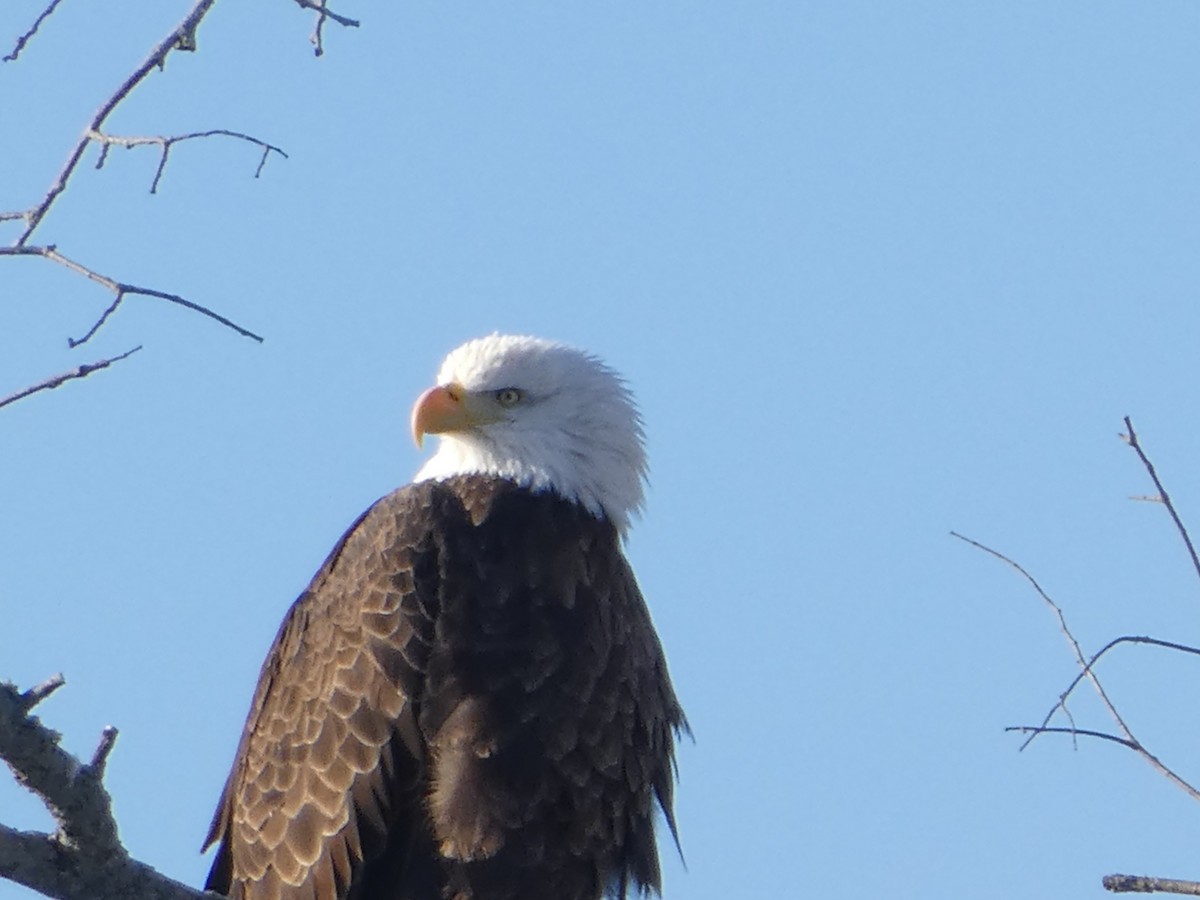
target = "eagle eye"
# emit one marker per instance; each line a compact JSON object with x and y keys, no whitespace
{"x":508,"y":397}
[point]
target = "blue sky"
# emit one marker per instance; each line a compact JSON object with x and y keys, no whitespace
{"x":875,"y":271}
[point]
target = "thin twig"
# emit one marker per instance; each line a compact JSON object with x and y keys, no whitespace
{"x":1124,"y":639}
{"x":28,"y":35}
{"x":1145,"y":884}
{"x":196,"y":307}
{"x":1062,"y":622}
{"x":182,"y":37}
{"x":81,"y":371}
{"x":1073,"y":731}
{"x":120,"y":289}
{"x":1149,"y":757}
{"x":1131,"y":438}
{"x":109,"y":310}
{"x":318,"y":35}
{"x":326,"y":13}
{"x":166,"y":142}
{"x":323,"y":12}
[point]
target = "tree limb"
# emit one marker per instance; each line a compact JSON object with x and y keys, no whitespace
{"x":166,"y":142}
{"x":1124,"y":639}
{"x":1145,"y":884}
{"x":120,"y":289}
{"x":32,"y":30}
{"x":83,"y":859}
{"x":1130,"y":437}
{"x":78,"y":372}
{"x":323,"y":13}
{"x":1127,"y":737}
{"x":1115,"y":883}
{"x":1034,"y":730}
{"x":182,"y":37}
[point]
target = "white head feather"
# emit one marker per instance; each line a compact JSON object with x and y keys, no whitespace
{"x":574,"y":428}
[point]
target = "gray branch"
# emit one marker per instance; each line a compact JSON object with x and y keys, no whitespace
{"x":1144,"y":884}
{"x":83,"y":859}
{"x":31,"y":31}
{"x":81,"y":371}
{"x":181,"y":38}
{"x":120,"y":290}
{"x":166,"y":142}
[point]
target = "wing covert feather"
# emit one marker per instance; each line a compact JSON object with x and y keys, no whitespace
{"x":468,"y":702}
{"x":327,"y":761}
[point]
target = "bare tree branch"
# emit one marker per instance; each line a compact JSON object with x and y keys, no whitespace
{"x":120,"y":290}
{"x":1115,"y":883}
{"x":1034,"y":730}
{"x":81,"y":371}
{"x":40,"y":692}
{"x":1124,"y":639}
{"x":1144,"y":884}
{"x":323,"y":13}
{"x":166,"y":142}
{"x":83,"y":859}
{"x":1087,"y":671}
{"x":1130,"y":437}
{"x":28,"y":35}
{"x":182,"y":37}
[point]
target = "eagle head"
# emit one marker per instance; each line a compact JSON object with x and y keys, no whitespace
{"x":540,"y":413}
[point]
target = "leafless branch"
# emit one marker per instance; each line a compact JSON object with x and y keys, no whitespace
{"x":1144,"y":884}
{"x":1115,"y":883}
{"x":81,"y":371}
{"x":1130,"y":437}
{"x":182,"y":37}
{"x":1034,"y":730}
{"x":1124,"y":639}
{"x":323,"y":13}
{"x":1088,"y":672}
{"x":166,"y":142}
{"x":40,"y":692}
{"x":84,"y":858}
{"x":120,"y":290}
{"x":28,"y":35}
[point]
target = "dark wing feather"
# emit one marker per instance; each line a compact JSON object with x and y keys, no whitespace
{"x":468,"y":702}
{"x":328,"y":768}
{"x":547,"y":706}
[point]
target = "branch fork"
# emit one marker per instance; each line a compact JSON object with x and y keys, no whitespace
{"x":182,"y":38}
{"x":1087,"y":670}
{"x":83,"y":858}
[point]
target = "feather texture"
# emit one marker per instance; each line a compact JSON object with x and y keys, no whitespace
{"x":469,"y":701}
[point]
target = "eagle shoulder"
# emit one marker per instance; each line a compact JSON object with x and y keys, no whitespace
{"x":330,"y":757}
{"x":469,"y":700}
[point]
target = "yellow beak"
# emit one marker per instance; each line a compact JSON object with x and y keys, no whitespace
{"x":440,"y":409}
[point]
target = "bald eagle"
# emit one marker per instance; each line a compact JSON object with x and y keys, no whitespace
{"x":469,"y":701}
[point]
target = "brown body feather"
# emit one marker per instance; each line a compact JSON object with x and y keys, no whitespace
{"x":469,"y":702}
